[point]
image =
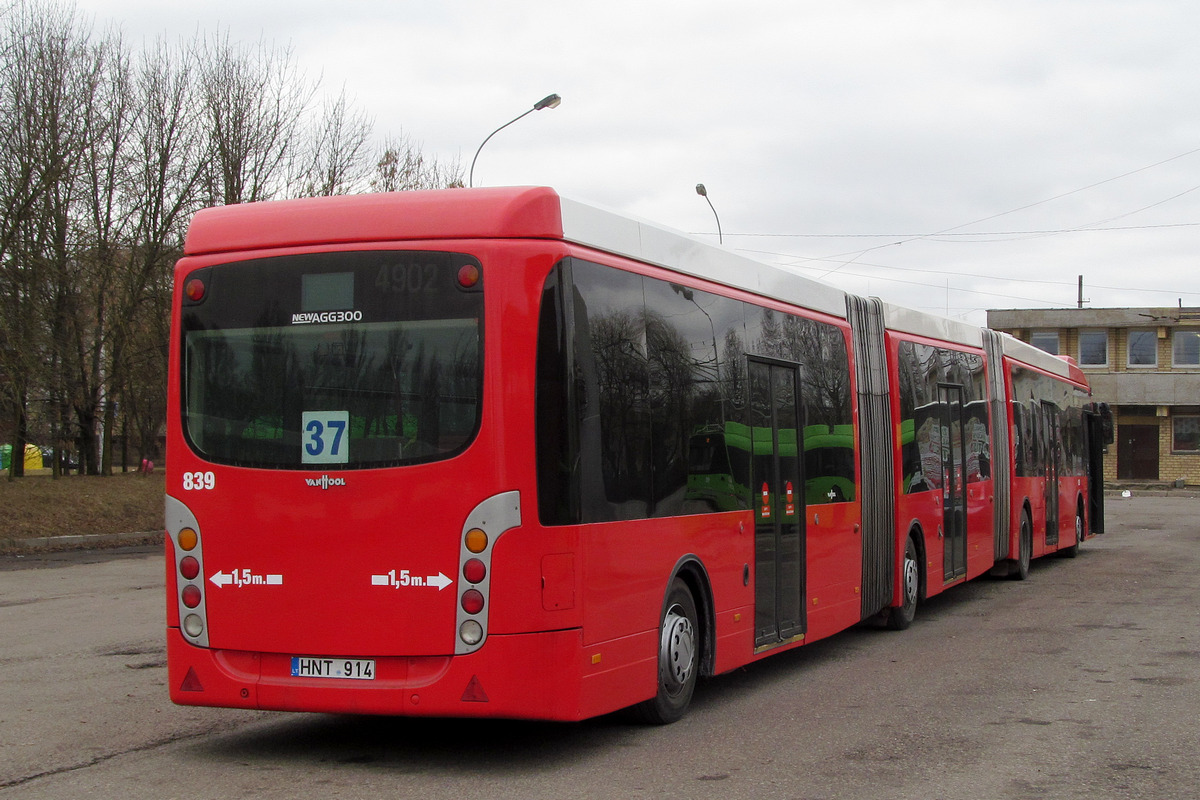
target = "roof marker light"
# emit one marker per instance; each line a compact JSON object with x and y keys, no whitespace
{"x":468,"y":276}
{"x":194,"y":289}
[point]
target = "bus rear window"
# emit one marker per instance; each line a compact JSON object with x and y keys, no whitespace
{"x":333,"y":360}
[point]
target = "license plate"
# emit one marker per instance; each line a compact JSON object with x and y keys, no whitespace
{"x":358,"y":669}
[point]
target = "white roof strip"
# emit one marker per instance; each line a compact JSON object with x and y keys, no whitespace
{"x":634,"y":238}
{"x":907,"y":320}
{"x":1027,"y":353}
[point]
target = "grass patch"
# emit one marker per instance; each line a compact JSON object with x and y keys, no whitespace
{"x":38,"y":505}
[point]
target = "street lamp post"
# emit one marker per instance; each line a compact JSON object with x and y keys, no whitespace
{"x":700,"y":190}
{"x":549,"y":101}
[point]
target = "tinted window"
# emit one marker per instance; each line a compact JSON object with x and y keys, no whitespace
{"x":642,"y":389}
{"x":275,"y":376}
{"x":1037,"y":400}
{"x":922,"y":369}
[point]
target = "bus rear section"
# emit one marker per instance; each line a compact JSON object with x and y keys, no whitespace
{"x":338,"y":492}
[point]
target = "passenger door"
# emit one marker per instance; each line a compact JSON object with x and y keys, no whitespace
{"x":954,"y":495}
{"x":778,"y":503}
{"x":1052,"y":430}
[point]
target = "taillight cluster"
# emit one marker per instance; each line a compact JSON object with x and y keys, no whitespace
{"x":189,"y":568}
{"x":484,"y":525}
{"x":474,"y":573}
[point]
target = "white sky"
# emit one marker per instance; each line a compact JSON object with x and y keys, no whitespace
{"x":835,"y":136}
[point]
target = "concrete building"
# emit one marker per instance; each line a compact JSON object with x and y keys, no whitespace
{"x":1143,"y":362}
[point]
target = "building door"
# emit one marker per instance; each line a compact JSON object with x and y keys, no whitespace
{"x":1137,"y":452}
{"x":778,"y":503}
{"x":954,"y":496}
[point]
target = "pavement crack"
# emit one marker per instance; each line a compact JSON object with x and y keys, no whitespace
{"x":101,"y":759}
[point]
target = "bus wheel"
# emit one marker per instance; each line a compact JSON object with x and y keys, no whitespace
{"x":902,"y":616}
{"x":1073,"y":550}
{"x":1024,"y":549}
{"x":678,"y":658}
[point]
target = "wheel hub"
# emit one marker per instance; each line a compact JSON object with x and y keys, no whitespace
{"x":679,"y":647}
{"x":910,"y":579}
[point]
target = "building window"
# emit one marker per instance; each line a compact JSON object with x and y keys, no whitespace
{"x":1045,"y":340}
{"x":1093,"y":348}
{"x":1186,"y":349}
{"x":1143,"y":348}
{"x":1185,"y":435}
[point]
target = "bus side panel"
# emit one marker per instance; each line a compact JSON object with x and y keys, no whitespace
{"x":1027,"y":492}
{"x":923,"y":510}
{"x":980,"y":533}
{"x":627,"y":567}
{"x":833,"y":534}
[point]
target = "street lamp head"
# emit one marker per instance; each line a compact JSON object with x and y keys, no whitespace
{"x":700,"y":190}
{"x":549,"y":101}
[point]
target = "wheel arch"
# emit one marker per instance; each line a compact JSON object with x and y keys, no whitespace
{"x":917,"y":532}
{"x":691,"y":570}
{"x":1014,"y":540}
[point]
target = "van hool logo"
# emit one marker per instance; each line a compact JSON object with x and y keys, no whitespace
{"x":325,"y":481}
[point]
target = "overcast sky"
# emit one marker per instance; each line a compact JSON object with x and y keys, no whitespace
{"x":950,"y":156}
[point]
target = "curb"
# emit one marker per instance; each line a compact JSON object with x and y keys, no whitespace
{"x":42,"y":544}
{"x":1117,"y":493}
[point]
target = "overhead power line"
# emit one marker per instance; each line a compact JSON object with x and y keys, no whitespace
{"x":960,"y":274}
{"x":964,"y":234}
{"x":857,"y":254}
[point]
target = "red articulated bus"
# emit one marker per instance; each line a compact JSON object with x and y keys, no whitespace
{"x":497,"y":453}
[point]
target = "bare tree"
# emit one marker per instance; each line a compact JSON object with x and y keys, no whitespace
{"x":338,"y":159}
{"x":254,"y":101}
{"x":104,"y":154}
{"x":104,"y":241}
{"x":165,"y":150}
{"x":402,"y":166}
{"x":51,"y":80}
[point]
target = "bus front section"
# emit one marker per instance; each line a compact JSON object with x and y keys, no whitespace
{"x":332,"y":512}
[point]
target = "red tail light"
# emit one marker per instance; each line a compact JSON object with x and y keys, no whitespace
{"x":191,"y":595}
{"x":189,"y":568}
{"x":472,"y":601}
{"x":474,"y":571}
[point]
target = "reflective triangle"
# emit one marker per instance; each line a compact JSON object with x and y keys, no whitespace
{"x":191,"y":683}
{"x":474,"y":692}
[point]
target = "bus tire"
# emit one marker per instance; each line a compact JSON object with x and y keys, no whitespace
{"x":900,"y":617}
{"x":678,"y":658}
{"x":1073,"y":550}
{"x":1020,"y":567}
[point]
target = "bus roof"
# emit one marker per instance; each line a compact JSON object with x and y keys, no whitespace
{"x":1036,"y":357}
{"x":538,"y":212}
{"x":490,"y":213}
{"x":899,"y":318}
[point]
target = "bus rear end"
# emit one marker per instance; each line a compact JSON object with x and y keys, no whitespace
{"x":338,"y":489}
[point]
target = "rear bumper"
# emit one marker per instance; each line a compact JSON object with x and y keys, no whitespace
{"x":531,"y":676}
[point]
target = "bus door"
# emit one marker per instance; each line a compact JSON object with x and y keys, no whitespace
{"x":778,"y":503}
{"x":954,"y":495}
{"x":1052,"y":430}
